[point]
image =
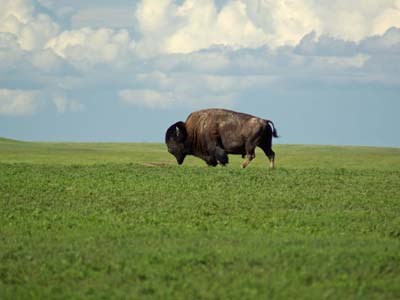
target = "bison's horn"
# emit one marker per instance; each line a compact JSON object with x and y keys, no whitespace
{"x":177,"y":131}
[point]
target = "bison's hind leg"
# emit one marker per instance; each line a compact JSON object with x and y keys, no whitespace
{"x":248,"y":159}
{"x":269,"y":153}
{"x":250,"y":148}
{"x":221,"y":156}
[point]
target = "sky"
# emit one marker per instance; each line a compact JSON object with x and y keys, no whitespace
{"x":326,"y":72}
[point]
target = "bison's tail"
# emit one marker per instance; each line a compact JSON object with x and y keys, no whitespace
{"x":273,"y":128}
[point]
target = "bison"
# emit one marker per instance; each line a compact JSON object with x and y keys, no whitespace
{"x":212,"y":134}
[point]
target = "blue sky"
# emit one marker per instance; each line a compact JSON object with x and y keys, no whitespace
{"x":326,"y":72}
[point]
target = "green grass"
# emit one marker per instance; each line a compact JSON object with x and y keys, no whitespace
{"x":123,"y":221}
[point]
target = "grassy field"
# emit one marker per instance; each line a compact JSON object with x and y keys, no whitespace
{"x":123,"y":221}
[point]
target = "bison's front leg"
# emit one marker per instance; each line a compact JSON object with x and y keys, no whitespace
{"x":216,"y":152}
{"x":221,"y":156}
{"x":211,"y":161}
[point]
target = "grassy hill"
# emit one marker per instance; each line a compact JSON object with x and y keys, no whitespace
{"x":118,"y":221}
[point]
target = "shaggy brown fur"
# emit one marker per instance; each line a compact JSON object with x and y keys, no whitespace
{"x":212,"y":134}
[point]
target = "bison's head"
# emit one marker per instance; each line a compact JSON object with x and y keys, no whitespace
{"x":175,"y":138}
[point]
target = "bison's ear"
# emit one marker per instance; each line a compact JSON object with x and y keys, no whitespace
{"x":177,"y":132}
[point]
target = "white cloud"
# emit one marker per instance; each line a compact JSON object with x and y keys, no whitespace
{"x":387,"y":43}
{"x":75,"y":106}
{"x":154,"y":15}
{"x":285,"y":22}
{"x":156,"y":21}
{"x":339,"y":63}
{"x":353,"y":20}
{"x":187,"y":89}
{"x":147,"y":98}
{"x":227,"y":74}
{"x":160,"y":99}
{"x":10,"y":52}
{"x":104,"y":16}
{"x":194,"y":25}
{"x":323,"y":45}
{"x":63,"y":104}
{"x":47,"y":61}
{"x":22,"y":10}
{"x":192,"y":53}
{"x":389,"y":17}
{"x":60,"y":9}
{"x":32,"y":30}
{"x":18,"y":102}
{"x":168,"y":27}
{"x":60,"y":103}
{"x":87,"y":47}
{"x":204,"y":26}
{"x":166,"y":90}
{"x":202,"y":61}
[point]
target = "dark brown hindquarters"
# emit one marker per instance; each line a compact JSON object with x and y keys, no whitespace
{"x":266,"y":143}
